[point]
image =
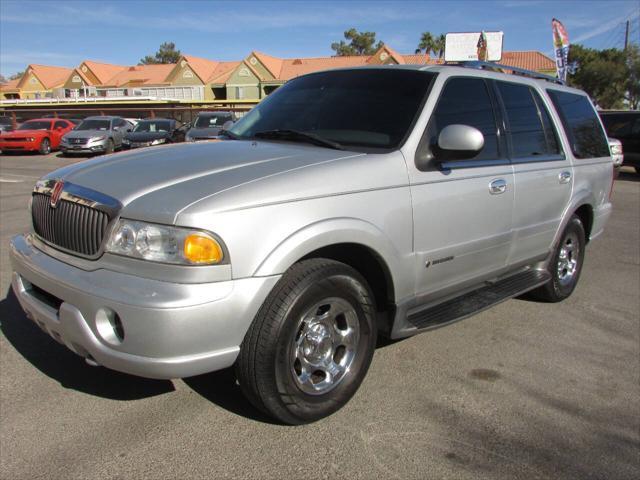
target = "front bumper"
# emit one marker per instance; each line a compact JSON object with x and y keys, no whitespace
{"x":90,"y":147}
{"x":169,"y":330}
{"x":19,"y":146}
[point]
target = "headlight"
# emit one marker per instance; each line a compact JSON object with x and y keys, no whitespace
{"x":158,"y":141}
{"x":189,"y":138}
{"x":64,"y":140}
{"x":97,"y":139}
{"x":30,"y":139}
{"x":126,"y":141}
{"x":162,"y":243}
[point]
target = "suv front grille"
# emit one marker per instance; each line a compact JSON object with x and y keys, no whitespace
{"x":70,"y":225}
{"x":78,"y":141}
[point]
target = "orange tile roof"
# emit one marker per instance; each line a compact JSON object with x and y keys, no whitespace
{"x":416,"y":59}
{"x":530,"y":60}
{"x":11,"y":84}
{"x":201,"y":66}
{"x":273,"y":64}
{"x":222,"y":72}
{"x":142,"y":74}
{"x":294,"y":67}
{"x":103,"y":71}
{"x":49,"y":76}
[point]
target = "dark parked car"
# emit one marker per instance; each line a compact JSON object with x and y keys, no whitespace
{"x":209,"y":124}
{"x":155,"y":132}
{"x":625,"y":126}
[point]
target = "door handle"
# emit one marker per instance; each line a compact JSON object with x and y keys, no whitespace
{"x":564,"y":177}
{"x":498,"y":186}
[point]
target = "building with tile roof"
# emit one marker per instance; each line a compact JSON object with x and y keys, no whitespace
{"x":196,"y":79}
{"x":37,"y":81}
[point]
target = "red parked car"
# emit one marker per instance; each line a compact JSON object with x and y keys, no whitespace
{"x":41,"y":135}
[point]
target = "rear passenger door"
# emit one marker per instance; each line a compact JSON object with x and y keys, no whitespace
{"x":462,"y":222}
{"x":543,"y":173}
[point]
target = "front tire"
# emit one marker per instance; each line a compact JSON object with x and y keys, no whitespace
{"x":566,"y":264}
{"x":310,"y":345}
{"x":45,"y":147}
{"x":109,"y":148}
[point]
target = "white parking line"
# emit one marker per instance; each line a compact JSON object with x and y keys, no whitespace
{"x":8,"y":180}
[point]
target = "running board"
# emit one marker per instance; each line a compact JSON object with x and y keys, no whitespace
{"x":464,"y":306}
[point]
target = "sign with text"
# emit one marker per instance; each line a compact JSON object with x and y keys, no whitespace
{"x":470,"y":46}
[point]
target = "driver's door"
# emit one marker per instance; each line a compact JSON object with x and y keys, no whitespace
{"x":462,"y":208}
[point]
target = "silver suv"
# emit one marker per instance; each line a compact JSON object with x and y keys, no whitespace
{"x":102,"y":134}
{"x":349,"y":203}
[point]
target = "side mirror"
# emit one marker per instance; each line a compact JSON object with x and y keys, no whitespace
{"x":227,"y":125}
{"x":460,"y":141}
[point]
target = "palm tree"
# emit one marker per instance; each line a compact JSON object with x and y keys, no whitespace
{"x":426,"y":43}
{"x":430,"y":43}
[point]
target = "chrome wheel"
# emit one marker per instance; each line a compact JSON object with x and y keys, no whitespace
{"x":568,"y":259}
{"x":325,"y":345}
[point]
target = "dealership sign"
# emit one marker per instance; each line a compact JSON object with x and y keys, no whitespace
{"x":470,"y":46}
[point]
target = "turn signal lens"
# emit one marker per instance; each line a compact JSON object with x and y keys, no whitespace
{"x":200,"y":248}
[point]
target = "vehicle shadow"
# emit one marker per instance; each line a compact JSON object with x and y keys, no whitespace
{"x":67,"y":368}
{"x":628,"y":176}
{"x":222,"y":389}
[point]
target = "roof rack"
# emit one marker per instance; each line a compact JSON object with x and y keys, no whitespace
{"x":497,"y":67}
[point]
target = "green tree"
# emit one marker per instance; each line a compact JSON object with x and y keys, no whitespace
{"x":606,"y":75}
{"x":633,"y":80}
{"x":430,"y":43}
{"x":16,"y":75}
{"x":167,"y":53}
{"x":3,"y":79}
{"x":360,"y":43}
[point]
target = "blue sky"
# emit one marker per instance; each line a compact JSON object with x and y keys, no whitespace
{"x":67,"y":32}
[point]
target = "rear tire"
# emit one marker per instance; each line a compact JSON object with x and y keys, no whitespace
{"x":310,"y":345}
{"x":45,"y":147}
{"x":565,"y":265}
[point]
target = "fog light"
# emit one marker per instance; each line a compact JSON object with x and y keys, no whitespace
{"x":110,"y":326}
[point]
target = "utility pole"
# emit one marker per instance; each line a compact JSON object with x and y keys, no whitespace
{"x":626,"y":36}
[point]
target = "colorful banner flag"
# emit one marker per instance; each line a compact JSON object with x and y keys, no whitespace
{"x":561,"y":48}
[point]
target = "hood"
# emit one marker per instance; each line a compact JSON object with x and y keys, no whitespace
{"x":86,"y":133}
{"x":23,"y":133}
{"x":204,"y":132}
{"x":155,"y":184}
{"x":146,"y":136}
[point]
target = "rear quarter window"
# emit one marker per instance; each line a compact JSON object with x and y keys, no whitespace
{"x":581,"y":124}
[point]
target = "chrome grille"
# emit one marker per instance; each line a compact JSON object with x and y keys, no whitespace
{"x":70,"y":225}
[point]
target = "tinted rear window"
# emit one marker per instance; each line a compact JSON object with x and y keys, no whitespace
{"x":529,"y":125}
{"x":581,"y":123}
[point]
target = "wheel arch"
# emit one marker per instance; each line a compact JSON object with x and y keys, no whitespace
{"x":354,"y":242}
{"x":582,"y":204}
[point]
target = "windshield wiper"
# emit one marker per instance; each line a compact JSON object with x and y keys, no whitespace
{"x":229,"y":134}
{"x":297,"y":135}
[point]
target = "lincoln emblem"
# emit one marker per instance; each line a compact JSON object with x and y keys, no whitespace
{"x":56,"y":192}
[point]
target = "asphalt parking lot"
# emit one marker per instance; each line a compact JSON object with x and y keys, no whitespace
{"x":524,"y":390}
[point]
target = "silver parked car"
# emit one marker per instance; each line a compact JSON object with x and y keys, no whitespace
{"x":101,"y":134}
{"x":349,"y":203}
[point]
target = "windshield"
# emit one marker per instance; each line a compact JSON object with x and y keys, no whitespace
{"x":94,"y":125}
{"x":153,"y":126}
{"x":35,"y":125}
{"x":361,"y":108}
{"x":211,"y":121}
